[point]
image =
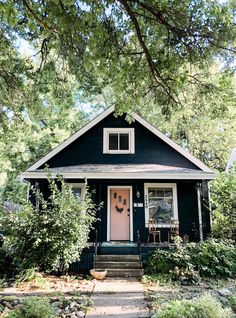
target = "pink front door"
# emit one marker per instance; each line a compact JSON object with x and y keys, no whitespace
{"x":119,"y":214}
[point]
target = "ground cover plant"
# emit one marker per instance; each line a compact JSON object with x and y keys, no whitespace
{"x":33,"y":307}
{"x":45,"y":306}
{"x":205,"y":306}
{"x":193,"y":261}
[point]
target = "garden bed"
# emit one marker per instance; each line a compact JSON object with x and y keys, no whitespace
{"x":159,"y":294}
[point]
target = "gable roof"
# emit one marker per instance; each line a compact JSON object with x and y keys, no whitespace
{"x":232,"y":159}
{"x":99,"y":118}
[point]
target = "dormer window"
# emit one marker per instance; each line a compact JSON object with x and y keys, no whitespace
{"x":118,"y":140}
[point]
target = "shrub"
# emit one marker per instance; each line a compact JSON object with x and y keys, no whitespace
{"x":33,"y":307}
{"x":223,"y":195}
{"x":211,"y":258}
{"x":205,"y":306}
{"x":52,"y":237}
{"x":7,"y":267}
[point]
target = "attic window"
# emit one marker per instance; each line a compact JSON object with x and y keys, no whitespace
{"x":118,"y":140}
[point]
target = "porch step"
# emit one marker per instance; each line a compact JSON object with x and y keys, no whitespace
{"x":117,"y":258}
{"x":117,"y":264}
{"x":125,"y":272}
{"x":120,"y":265}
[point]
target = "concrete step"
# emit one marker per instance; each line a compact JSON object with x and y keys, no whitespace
{"x":117,"y":264}
{"x":119,"y":258}
{"x":125,"y":272}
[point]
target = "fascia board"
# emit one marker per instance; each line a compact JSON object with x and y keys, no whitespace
{"x":119,"y":175}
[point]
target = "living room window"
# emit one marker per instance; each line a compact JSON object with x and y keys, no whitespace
{"x":118,"y":140}
{"x":161,"y":203}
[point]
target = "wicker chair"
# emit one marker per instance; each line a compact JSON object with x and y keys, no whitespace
{"x":152,"y":230}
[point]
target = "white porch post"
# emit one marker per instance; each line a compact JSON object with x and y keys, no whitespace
{"x":199,"y":210}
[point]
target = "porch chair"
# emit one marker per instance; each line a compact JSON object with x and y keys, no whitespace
{"x":152,"y":230}
{"x":174,"y":230}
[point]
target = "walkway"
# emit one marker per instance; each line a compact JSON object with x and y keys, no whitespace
{"x":118,"y":298}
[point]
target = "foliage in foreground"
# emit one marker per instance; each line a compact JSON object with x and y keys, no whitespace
{"x":205,"y":306}
{"x":223,"y":194}
{"x":53,"y":234}
{"x":211,"y":258}
{"x":33,"y":307}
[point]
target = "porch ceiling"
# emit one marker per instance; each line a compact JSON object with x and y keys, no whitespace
{"x":121,"y":171}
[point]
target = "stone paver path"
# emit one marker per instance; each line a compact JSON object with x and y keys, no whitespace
{"x":118,"y":298}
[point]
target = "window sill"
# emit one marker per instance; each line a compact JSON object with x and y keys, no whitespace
{"x":118,"y":152}
{"x":162,"y":226}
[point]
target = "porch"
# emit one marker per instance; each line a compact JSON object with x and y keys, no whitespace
{"x":94,"y":250}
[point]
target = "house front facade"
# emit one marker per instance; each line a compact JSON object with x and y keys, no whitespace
{"x":137,"y":173}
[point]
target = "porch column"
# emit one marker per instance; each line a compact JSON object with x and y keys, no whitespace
{"x":199,"y":210}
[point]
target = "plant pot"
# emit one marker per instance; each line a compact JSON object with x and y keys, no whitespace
{"x":98,"y":273}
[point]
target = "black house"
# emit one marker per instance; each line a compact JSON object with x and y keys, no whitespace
{"x":138,"y":173}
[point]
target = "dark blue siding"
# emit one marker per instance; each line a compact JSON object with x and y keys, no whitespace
{"x":88,"y":149}
{"x":187,"y":208}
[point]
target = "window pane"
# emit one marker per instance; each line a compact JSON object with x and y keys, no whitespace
{"x":160,"y":193}
{"x":156,"y":192}
{"x":168,"y":192}
{"x":113,"y":141}
{"x":124,"y":141}
{"x":152,"y":192}
{"x":161,"y":204}
{"x":77,"y":193}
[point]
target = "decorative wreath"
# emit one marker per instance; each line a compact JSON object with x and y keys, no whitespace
{"x":120,"y":210}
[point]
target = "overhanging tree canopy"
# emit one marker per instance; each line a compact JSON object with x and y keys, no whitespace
{"x":143,"y":50}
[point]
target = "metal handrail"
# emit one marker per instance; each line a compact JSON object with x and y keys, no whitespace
{"x":139,"y":248}
{"x":96,"y":248}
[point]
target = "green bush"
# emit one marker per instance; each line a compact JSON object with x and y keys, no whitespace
{"x":33,"y":307}
{"x":223,"y":195}
{"x":211,"y":258}
{"x":205,"y":306}
{"x":7,"y":267}
{"x":52,"y":234}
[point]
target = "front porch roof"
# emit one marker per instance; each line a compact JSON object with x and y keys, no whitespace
{"x":121,"y":171}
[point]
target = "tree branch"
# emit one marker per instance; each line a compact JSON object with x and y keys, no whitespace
{"x":40,"y":21}
{"x":154,"y":71}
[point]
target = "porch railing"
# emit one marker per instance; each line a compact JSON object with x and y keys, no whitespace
{"x":95,"y":248}
{"x":139,"y":248}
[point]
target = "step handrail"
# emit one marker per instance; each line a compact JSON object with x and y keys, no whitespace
{"x":139,"y":248}
{"x":95,"y":248}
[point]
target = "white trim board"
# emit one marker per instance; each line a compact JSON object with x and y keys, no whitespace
{"x":136,"y":117}
{"x":231,"y":162}
{"x":107,"y":131}
{"x":119,"y":175}
{"x":173,"y":186}
{"x":109,"y":210}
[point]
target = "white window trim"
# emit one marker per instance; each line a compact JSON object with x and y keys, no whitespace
{"x":78,"y":185}
{"x":107,"y":131}
{"x":175,"y":200}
